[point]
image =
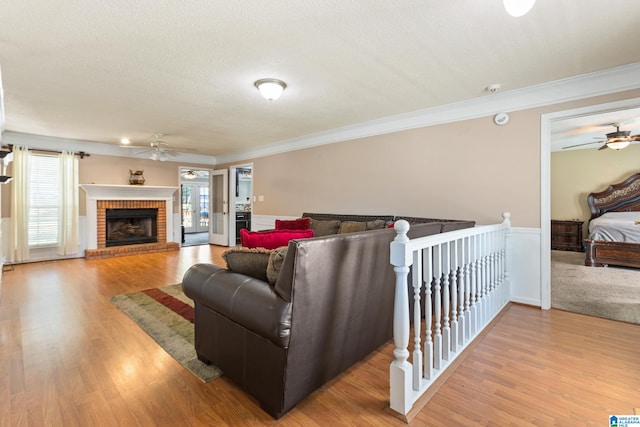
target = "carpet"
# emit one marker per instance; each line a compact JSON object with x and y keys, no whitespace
{"x":166,"y":314}
{"x":611,"y":292}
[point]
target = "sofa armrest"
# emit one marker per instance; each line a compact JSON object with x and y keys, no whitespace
{"x":249,"y":302}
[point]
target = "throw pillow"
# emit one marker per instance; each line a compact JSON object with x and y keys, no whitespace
{"x":351,"y":227}
{"x":293,"y":224}
{"x":276,"y":258}
{"x":251,"y":262}
{"x":271,"y":239}
{"x":324,"y":228}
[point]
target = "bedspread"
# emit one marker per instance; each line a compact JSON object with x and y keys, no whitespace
{"x":616,"y":227}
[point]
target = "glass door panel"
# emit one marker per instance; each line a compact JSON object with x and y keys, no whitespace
{"x":187,"y":209}
{"x":195,"y":208}
{"x":219,"y":208}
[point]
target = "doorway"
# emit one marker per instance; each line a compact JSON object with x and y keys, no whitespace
{"x":241,"y":205}
{"x":194,"y":206}
{"x":548,"y":121}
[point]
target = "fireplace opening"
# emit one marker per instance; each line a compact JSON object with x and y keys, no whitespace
{"x":131,"y":226}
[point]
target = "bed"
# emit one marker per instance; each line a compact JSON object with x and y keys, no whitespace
{"x":614,"y":226}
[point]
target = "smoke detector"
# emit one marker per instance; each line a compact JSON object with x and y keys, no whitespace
{"x":493,"y":88}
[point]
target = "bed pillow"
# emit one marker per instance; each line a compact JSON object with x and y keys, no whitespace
{"x":249,"y":261}
{"x":276,"y":258}
{"x":293,"y":224}
{"x":271,"y":239}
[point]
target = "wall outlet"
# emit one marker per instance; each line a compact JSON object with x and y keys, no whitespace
{"x":261,"y":198}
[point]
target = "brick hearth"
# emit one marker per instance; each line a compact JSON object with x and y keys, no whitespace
{"x":103,"y":251}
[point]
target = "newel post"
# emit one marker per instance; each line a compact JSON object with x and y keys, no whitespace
{"x":400,"y":371}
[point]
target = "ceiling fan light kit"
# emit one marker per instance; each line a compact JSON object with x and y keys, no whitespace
{"x":617,"y":145}
{"x":189,"y":175}
{"x":270,"y":89}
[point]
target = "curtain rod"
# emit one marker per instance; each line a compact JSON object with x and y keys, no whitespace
{"x":81,"y":154}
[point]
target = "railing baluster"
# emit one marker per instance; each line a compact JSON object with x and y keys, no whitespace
{"x":453,"y":254}
{"x":446,"y":306}
{"x":460,"y":284}
{"x":416,"y":278}
{"x":467,"y":288}
{"x":437,"y":303}
{"x":428,"y":341}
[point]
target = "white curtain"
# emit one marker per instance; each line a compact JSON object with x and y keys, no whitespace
{"x":19,"y":237}
{"x":68,"y":209}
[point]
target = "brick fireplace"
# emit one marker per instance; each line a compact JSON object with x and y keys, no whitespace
{"x":101,"y":198}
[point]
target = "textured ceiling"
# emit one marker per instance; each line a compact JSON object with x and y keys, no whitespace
{"x":102,"y":70}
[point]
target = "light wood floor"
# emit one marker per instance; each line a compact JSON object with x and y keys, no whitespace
{"x":70,"y":358}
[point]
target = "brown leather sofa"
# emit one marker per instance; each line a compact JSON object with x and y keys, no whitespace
{"x":331,"y":306}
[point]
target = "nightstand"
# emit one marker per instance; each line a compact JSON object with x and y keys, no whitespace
{"x":566,"y":235}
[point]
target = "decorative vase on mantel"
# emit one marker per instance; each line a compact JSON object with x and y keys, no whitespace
{"x":135,"y":177}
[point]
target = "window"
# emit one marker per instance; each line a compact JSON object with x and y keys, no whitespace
{"x":44,"y":196}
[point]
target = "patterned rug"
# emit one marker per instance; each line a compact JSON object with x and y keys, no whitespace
{"x":166,"y":314}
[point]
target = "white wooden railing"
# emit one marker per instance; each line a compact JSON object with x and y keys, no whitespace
{"x":464,"y":279}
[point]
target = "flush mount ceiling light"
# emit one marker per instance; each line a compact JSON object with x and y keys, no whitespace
{"x":517,"y":8}
{"x":271,"y":89}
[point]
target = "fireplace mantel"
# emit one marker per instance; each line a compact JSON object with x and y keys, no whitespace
{"x":127,"y":192}
{"x":97,"y":192}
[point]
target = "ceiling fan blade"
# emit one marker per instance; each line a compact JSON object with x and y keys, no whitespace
{"x":603,"y":147}
{"x":580,"y":145}
{"x":144,"y":147}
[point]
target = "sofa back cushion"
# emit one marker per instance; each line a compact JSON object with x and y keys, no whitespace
{"x":324,"y":227}
{"x":352,"y":227}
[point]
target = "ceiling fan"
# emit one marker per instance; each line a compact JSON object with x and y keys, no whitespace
{"x":157,"y":149}
{"x":193,"y":174}
{"x":615,"y":140}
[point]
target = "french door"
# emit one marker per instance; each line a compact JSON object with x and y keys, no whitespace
{"x":219,"y":229}
{"x":195,"y":207}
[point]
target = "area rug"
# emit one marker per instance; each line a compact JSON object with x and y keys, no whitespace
{"x":611,"y":292}
{"x":166,"y":314}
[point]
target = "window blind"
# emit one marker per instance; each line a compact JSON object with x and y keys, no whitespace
{"x":44,"y":196}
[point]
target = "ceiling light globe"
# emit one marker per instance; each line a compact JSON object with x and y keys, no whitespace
{"x":618,"y":145}
{"x":270,"y":89}
{"x":517,"y":8}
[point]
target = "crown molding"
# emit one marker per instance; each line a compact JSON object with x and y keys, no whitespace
{"x":91,"y":147}
{"x":612,"y":80}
